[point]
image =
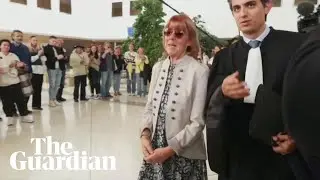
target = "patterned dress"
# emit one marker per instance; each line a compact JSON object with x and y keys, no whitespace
{"x":177,"y":167}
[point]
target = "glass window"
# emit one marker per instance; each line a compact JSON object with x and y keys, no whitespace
{"x":276,"y":3}
{"x":65,"y":6}
{"x":45,"y":4}
{"x":117,"y":9}
{"x":133,"y":10}
{"x":19,"y":1}
{"x":296,"y":2}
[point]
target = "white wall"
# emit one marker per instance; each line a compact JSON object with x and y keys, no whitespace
{"x":91,"y":19}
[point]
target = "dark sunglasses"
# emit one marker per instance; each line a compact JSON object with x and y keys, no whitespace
{"x":177,"y":34}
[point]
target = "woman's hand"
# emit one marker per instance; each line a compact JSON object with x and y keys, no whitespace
{"x":160,"y":155}
{"x":146,"y":146}
{"x":20,"y":65}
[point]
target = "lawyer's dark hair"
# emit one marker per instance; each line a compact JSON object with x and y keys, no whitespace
{"x":264,"y":2}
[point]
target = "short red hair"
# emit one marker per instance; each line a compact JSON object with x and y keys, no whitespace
{"x":187,"y":25}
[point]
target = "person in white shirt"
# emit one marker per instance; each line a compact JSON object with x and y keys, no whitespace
{"x":10,"y":88}
{"x":38,"y":69}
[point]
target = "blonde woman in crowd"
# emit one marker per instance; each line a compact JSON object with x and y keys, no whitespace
{"x":38,"y":61}
{"x":79,"y":63}
{"x":172,"y":127}
{"x":10,"y":88}
{"x":129,"y":58}
{"x":140,"y":61}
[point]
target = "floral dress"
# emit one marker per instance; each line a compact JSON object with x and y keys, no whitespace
{"x":177,"y":167}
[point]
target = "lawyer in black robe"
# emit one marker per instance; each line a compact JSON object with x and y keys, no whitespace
{"x":232,"y":152}
{"x":301,"y":100}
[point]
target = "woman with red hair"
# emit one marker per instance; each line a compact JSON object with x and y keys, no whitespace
{"x":172,"y":127}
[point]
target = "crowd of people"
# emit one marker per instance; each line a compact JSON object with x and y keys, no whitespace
{"x":24,"y":65}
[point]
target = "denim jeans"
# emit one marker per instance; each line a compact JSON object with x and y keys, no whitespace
{"x":106,"y":82}
{"x":54,"y":76}
{"x":116,"y":82}
{"x":131,"y":83}
{"x":140,"y":85}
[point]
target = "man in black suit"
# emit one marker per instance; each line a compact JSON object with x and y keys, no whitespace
{"x":61,"y":51}
{"x":301,"y":100}
{"x":249,"y":69}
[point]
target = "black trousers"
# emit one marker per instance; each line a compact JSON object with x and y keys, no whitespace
{"x":60,"y":90}
{"x":314,"y":165}
{"x":37,"y":81}
{"x":80,"y":83}
{"x":10,"y":96}
{"x":94,"y":79}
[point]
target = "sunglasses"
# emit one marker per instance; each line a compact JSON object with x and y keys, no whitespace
{"x":177,"y":34}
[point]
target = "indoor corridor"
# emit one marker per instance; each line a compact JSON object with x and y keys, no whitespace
{"x":101,"y":128}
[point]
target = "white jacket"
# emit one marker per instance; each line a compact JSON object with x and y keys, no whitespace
{"x":184,"y":111}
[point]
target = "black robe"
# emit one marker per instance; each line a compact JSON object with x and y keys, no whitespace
{"x":301,"y":100}
{"x":243,"y":157}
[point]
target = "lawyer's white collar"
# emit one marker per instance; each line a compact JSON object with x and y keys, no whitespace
{"x":261,"y":37}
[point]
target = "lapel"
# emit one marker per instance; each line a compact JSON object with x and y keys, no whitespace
{"x":239,"y":56}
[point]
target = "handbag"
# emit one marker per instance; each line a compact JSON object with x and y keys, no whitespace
{"x":25,"y":82}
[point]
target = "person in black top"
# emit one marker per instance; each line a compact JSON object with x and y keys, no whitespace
{"x":55,"y":64}
{"x":120,"y":65}
{"x":244,"y":72}
{"x":301,"y":101}
{"x":63,"y":65}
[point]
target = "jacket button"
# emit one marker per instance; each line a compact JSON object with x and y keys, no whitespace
{"x":173,"y":118}
{"x":157,"y":92}
{"x":178,"y":86}
{"x":155,"y":99}
{"x":162,"y":78}
{"x":181,"y":70}
{"x":173,"y":102}
{"x":154,"y":114}
{"x":179,"y":78}
{"x":173,"y":110}
{"x":176,"y":94}
{"x":160,"y":84}
{"x":155,"y":107}
{"x":164,"y":70}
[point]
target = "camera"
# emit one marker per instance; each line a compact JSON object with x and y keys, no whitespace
{"x":309,"y":17}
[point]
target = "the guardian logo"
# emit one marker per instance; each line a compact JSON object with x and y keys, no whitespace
{"x":59,"y":156}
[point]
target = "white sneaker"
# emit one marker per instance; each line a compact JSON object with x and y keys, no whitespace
{"x":52,"y":104}
{"x":10,"y":121}
{"x":57,"y":103}
{"x":27,"y":119}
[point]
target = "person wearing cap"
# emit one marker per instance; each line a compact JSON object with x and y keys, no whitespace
{"x":79,"y":63}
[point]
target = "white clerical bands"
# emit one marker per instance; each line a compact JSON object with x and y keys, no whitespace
{"x":254,"y":72}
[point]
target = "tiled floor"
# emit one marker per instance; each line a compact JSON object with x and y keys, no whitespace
{"x":101,"y":128}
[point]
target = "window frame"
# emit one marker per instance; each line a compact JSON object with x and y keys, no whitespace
{"x":277,"y":3}
{"x":113,"y":12}
{"x":296,"y":2}
{"x":133,"y":11}
{"x":65,"y":7}
{"x":24,"y":2}
{"x":41,"y":4}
